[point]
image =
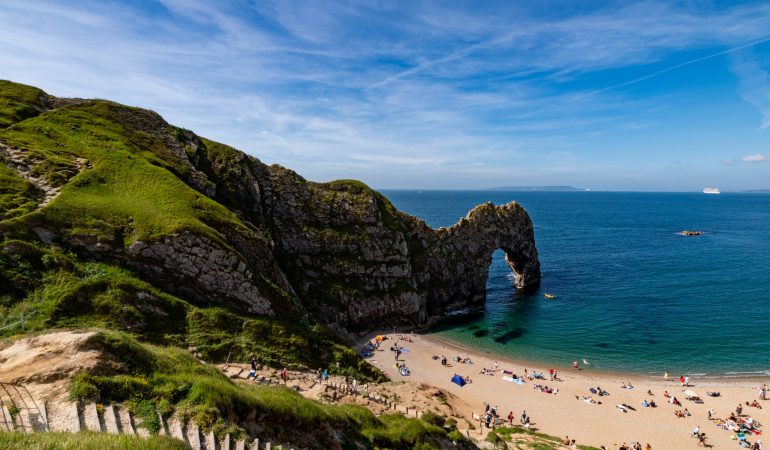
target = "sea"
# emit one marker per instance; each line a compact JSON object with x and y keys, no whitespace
{"x":633,"y":295}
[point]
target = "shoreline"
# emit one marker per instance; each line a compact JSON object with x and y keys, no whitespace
{"x":673,"y":376}
{"x":567,"y":406}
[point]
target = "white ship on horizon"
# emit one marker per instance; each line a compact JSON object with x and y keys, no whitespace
{"x":711,"y":190}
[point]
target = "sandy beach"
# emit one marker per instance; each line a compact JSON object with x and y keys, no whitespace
{"x":563,"y":414}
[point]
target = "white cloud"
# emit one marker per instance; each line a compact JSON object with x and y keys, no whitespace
{"x":755,"y":158}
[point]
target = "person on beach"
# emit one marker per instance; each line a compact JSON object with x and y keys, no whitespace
{"x":566,"y":440}
{"x":665,"y":376}
{"x":552,"y":373}
{"x":687,"y":381}
{"x":284,"y":375}
{"x":326,"y":375}
{"x":510,"y":418}
{"x":738,"y":410}
{"x":702,"y":440}
{"x":695,"y":432}
{"x":681,"y":381}
{"x":575,"y":364}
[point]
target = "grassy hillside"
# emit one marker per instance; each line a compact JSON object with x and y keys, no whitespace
{"x":117,"y":177}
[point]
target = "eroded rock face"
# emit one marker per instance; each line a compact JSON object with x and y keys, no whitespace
{"x":190,"y":257}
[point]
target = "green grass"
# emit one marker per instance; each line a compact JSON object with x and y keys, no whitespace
{"x":17,"y":102}
{"x":86,"y":441}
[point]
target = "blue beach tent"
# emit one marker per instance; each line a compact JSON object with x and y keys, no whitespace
{"x":458,"y":380}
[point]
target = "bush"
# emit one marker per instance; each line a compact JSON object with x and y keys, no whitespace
{"x":433,"y":419}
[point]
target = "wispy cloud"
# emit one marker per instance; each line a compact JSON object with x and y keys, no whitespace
{"x":754,"y":84}
{"x":758,"y":157}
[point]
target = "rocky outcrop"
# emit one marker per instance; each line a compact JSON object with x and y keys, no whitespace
{"x":189,"y":257}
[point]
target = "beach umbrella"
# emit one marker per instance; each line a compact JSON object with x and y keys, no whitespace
{"x":458,"y":380}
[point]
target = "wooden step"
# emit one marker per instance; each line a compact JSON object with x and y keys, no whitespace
{"x":125,"y":421}
{"x":77,"y":420}
{"x":193,"y":436}
{"x":226,"y":442}
{"x":91,"y":417}
{"x":163,"y":430}
{"x":111,"y":420}
{"x":211,"y":441}
{"x":175,"y":429}
{"x":6,"y":422}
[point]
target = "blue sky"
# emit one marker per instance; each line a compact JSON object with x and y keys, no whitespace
{"x":422,"y":94}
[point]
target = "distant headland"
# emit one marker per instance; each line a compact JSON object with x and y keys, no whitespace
{"x":537,"y":188}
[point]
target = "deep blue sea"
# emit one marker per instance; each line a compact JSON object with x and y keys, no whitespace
{"x":633,"y":295}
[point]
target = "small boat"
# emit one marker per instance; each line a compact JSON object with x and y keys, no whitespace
{"x":551,"y":296}
{"x":711,"y":190}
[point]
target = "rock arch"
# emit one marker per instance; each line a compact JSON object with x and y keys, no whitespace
{"x":463,"y":252}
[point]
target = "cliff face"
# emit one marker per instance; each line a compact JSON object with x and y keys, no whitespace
{"x":215,"y":226}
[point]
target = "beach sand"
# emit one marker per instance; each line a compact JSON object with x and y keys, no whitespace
{"x":564,"y":415}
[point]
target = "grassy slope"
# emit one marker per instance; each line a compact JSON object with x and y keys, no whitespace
{"x":86,"y":441}
{"x":126,"y":191}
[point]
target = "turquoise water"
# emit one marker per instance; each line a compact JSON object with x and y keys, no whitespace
{"x":633,"y":295}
